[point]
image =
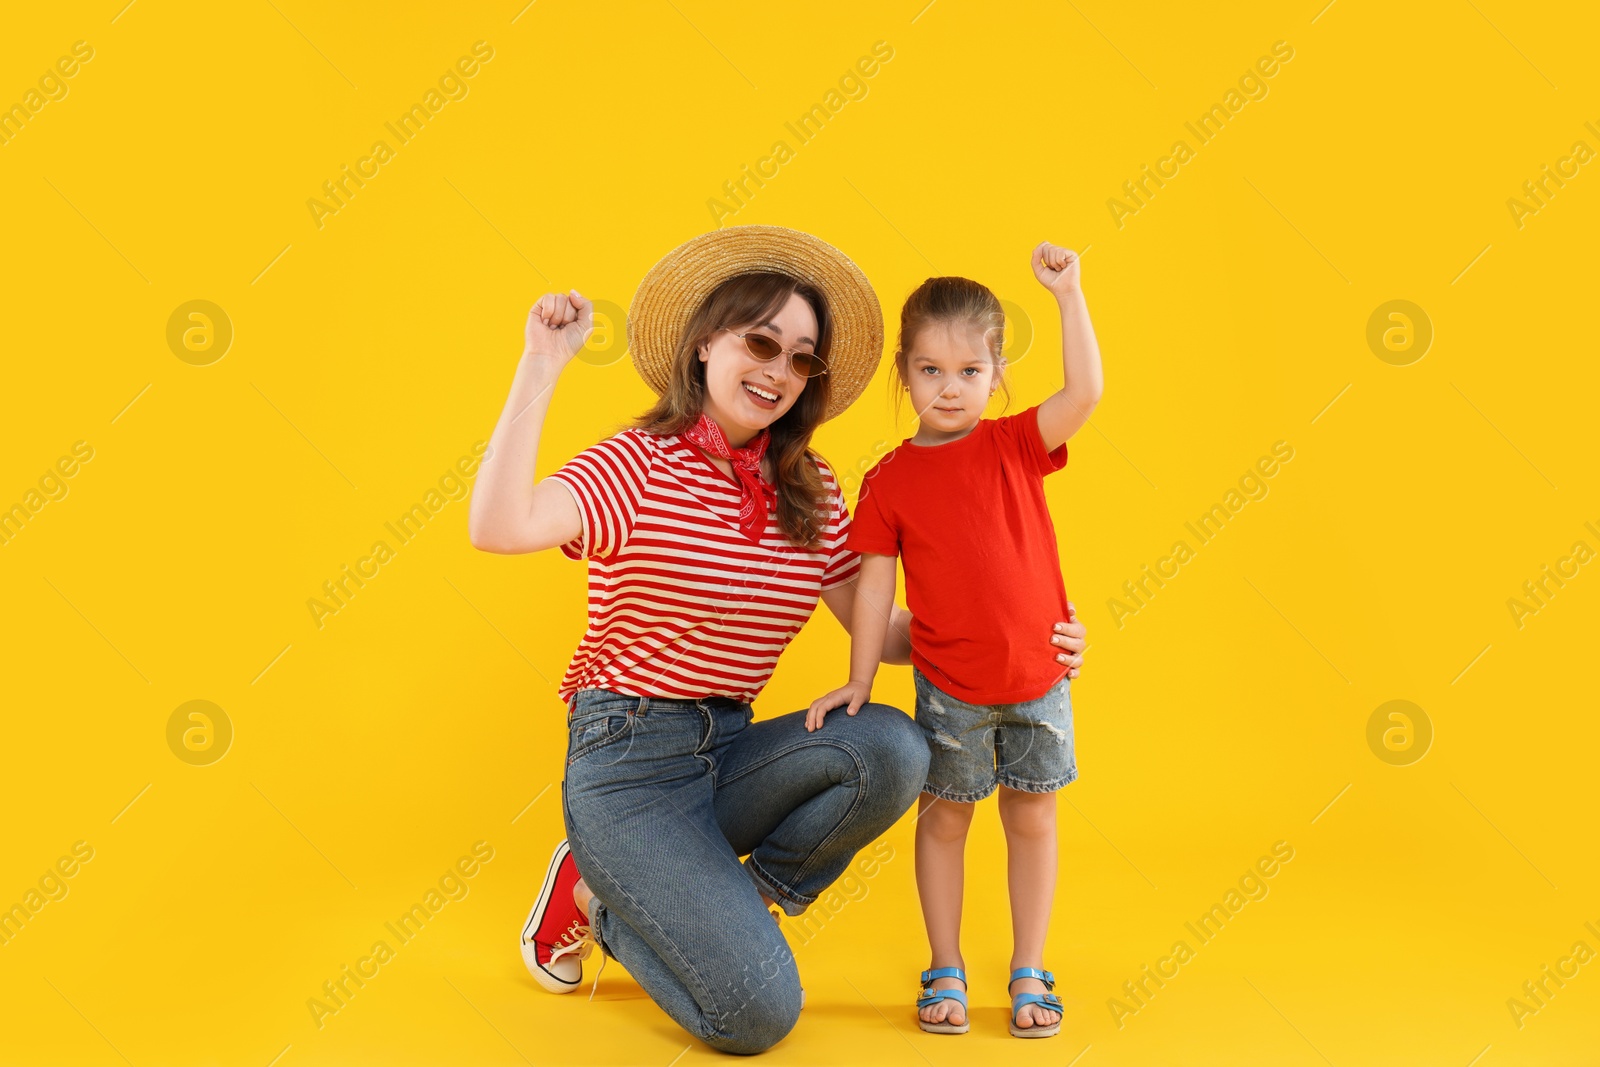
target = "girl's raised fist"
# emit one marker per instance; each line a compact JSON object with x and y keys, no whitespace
{"x":1055,"y":267}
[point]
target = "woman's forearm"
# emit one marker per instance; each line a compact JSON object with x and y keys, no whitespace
{"x":1069,"y":639}
{"x":508,"y":512}
{"x":897,"y":641}
{"x":502,"y":495}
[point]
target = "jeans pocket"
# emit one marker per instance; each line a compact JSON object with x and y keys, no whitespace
{"x":589,"y":731}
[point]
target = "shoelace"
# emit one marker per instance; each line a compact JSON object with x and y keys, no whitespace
{"x":583,"y":944}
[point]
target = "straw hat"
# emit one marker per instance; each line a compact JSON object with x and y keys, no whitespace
{"x":677,"y":285}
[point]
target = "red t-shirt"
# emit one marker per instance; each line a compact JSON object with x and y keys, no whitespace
{"x":969,"y":522}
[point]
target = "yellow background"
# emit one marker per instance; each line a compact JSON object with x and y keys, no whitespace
{"x":369,"y":354}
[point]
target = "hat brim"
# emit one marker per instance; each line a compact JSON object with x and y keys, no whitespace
{"x":677,"y":285}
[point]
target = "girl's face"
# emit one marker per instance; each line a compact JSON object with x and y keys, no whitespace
{"x":950,"y":376}
{"x":745,"y":395}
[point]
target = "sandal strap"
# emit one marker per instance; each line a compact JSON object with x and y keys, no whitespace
{"x":944,"y":972}
{"x":1046,"y":977}
{"x":933,"y":996}
{"x":930,"y":995}
{"x":1022,"y":1000}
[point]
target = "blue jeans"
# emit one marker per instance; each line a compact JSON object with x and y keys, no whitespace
{"x":663,"y":796}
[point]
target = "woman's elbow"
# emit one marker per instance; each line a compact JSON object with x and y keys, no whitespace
{"x":486,"y":537}
{"x":504,"y":548}
{"x":512,"y":538}
{"x":479,"y":533}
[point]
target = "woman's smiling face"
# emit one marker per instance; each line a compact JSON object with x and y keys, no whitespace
{"x":743,"y":394}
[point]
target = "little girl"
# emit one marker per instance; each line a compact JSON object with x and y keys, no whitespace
{"x":962,"y":505}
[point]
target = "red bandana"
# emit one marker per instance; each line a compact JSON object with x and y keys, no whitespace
{"x":756,"y":497}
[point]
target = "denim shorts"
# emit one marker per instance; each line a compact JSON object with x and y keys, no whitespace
{"x":974,"y":748}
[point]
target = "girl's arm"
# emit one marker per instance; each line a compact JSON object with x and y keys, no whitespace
{"x":509,"y":513}
{"x":1065,"y":411}
{"x":875,"y":589}
{"x":874,"y":601}
{"x":841,"y":601}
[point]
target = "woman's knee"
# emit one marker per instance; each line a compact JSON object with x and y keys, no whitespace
{"x":749,"y":1033}
{"x":896,"y":748}
{"x":901,"y":754}
{"x":762,"y":1020}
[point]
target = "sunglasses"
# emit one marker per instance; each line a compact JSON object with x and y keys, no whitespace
{"x":767,"y":349}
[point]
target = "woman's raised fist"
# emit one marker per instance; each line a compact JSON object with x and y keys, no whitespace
{"x":558,"y":326}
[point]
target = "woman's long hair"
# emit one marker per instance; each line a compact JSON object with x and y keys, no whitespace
{"x":740,"y":301}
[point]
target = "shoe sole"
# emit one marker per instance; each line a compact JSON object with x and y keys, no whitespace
{"x":1035,"y":1031}
{"x":552,"y":982}
{"x":944,"y":1028}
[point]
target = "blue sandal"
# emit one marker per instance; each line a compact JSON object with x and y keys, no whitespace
{"x":930,"y":995}
{"x":1046,"y":1000}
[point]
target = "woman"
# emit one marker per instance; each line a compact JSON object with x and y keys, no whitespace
{"x":711,"y":530}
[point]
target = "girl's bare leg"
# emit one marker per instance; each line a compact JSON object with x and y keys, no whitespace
{"x":1030,"y":824}
{"x":941,"y":851}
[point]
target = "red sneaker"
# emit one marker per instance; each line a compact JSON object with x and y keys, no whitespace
{"x":556,"y":938}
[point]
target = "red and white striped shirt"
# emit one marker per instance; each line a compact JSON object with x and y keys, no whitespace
{"x":681,"y":604}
